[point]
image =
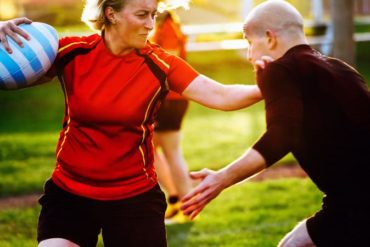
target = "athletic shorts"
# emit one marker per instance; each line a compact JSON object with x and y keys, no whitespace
{"x":170,"y":115}
{"x":340,"y":227}
{"x":132,"y":222}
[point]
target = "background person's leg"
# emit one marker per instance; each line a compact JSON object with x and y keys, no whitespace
{"x":163,"y":172}
{"x":170,"y":143}
{"x":169,"y":161}
{"x":167,"y":183}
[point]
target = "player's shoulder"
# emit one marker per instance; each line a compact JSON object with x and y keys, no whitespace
{"x":292,"y":61}
{"x":70,"y":43}
{"x":274,"y":67}
{"x":162,"y":58}
{"x":153,"y":48}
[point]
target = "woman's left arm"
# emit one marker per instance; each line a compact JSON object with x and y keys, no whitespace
{"x":213,"y":94}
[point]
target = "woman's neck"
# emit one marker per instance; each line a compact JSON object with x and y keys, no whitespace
{"x":114,"y":44}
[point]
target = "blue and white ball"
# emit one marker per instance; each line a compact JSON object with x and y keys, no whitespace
{"x":26,"y":65}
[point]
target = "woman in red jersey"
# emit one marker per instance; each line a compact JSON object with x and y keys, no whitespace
{"x":104,"y":179}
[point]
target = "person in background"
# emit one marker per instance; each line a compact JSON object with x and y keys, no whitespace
{"x":318,"y":108}
{"x":169,"y":162}
{"x":114,"y":81}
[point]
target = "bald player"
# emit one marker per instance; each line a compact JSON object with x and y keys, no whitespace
{"x":317,"y":108}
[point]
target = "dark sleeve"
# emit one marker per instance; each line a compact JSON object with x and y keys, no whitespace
{"x":284,"y":112}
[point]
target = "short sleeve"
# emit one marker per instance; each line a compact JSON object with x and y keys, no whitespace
{"x":180,"y":75}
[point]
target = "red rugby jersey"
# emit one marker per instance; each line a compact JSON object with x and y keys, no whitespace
{"x":105,"y":149}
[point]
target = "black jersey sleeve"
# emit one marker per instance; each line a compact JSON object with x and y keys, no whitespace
{"x":284,"y":112}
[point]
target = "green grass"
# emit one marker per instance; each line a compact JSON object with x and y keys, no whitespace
{"x":18,"y":227}
{"x":249,"y":214}
{"x":35,"y":109}
{"x":363,"y":61}
{"x":26,"y":160}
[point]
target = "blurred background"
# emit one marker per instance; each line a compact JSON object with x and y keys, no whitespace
{"x":215,"y":21}
{"x":202,"y":11}
{"x":257,"y":214}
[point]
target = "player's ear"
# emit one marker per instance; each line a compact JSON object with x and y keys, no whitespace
{"x":110,"y":15}
{"x":271,"y":39}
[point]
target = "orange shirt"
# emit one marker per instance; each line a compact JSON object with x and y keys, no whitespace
{"x":105,"y":149}
{"x":169,"y":36}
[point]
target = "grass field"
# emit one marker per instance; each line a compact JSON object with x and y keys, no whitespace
{"x":250,"y":214}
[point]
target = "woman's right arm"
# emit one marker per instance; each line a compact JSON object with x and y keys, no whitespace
{"x":213,"y":94}
{"x":185,"y":80}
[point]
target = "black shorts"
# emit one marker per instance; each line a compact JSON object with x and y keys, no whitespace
{"x":340,"y":226}
{"x":170,"y":115}
{"x":132,"y":222}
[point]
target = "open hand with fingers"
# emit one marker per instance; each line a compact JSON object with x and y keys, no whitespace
{"x":10,"y":28}
{"x":210,"y":187}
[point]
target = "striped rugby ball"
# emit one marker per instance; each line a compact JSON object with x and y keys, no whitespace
{"x":26,"y":65}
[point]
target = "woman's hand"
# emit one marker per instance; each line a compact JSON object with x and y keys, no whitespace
{"x":261,"y":63}
{"x":10,"y":28}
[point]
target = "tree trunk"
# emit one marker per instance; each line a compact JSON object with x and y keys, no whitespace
{"x":343,"y":30}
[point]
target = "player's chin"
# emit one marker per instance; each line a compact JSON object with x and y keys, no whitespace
{"x":141,"y":43}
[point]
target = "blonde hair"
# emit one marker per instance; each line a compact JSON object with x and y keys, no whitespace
{"x":166,"y":5}
{"x":93,"y":12}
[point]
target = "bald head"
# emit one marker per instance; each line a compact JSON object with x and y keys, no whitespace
{"x":272,"y":28}
{"x":277,"y":16}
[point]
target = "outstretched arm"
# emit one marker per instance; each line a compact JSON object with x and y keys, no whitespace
{"x":212,"y":94}
{"x":10,"y":28}
{"x":214,"y":182}
{"x":284,"y":126}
